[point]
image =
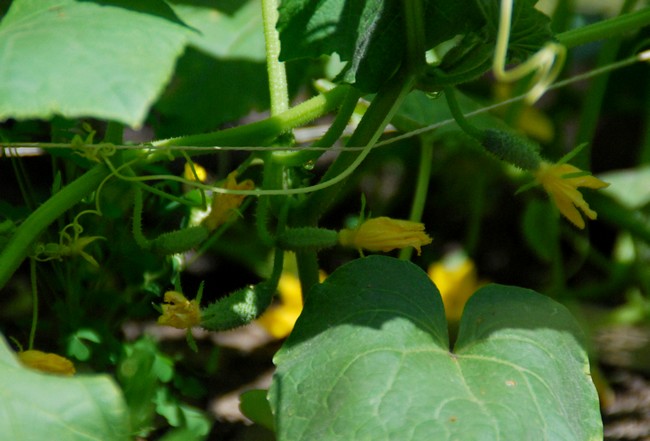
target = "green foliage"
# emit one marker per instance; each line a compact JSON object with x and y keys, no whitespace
{"x":228,"y":50}
{"x":82,"y":408}
{"x":366,"y":34}
{"x":255,"y":406}
{"x":519,"y":362}
{"x":372,"y":355}
{"x":530,"y":27}
{"x":116,"y":75}
{"x":140,"y":374}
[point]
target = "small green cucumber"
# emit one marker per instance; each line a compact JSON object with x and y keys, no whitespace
{"x":238,"y":308}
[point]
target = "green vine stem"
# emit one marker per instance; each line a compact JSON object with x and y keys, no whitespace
{"x":644,"y":153}
{"x":605,"y":29}
{"x":34,"y":283}
{"x":301,"y":157}
{"x":459,"y":116}
{"x":415,"y":34}
{"x":275,"y":68}
{"x":421,"y":187}
{"x":264,"y":131}
{"x":20,"y":245}
{"x":372,"y":125}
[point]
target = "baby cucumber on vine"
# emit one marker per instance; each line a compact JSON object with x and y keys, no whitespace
{"x":511,"y":148}
{"x":239,"y":308}
{"x":179,"y":241}
{"x":307,"y":239}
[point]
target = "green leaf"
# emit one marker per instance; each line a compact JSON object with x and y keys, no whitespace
{"x":36,"y":406}
{"x":84,"y":60}
{"x":254,"y":405}
{"x":227,"y":57}
{"x":529,"y":30}
{"x":207,"y":92}
{"x":369,"y":359}
{"x":369,"y":34}
{"x":140,"y":373}
{"x":78,"y":343}
{"x":158,"y":8}
{"x":226,"y":34}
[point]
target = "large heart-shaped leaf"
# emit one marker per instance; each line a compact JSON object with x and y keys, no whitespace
{"x":37,"y":406}
{"x":369,"y":359}
{"x":80,"y":59}
{"x":369,"y":34}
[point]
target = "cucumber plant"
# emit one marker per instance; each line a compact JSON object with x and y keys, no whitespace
{"x":372,"y":355}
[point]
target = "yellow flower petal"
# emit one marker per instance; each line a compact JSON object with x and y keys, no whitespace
{"x":385,"y":234}
{"x":279,"y":320}
{"x":179,"y":312}
{"x":456,"y":279}
{"x":224,"y":206}
{"x":558,"y":183}
{"x":201,"y":173}
{"x":46,"y":362}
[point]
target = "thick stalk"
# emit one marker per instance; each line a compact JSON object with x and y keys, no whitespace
{"x":274,"y":67}
{"x":22,"y":241}
{"x":301,"y":157}
{"x":264,"y":131}
{"x":415,"y":34}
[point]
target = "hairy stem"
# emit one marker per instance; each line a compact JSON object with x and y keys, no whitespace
{"x":274,"y":67}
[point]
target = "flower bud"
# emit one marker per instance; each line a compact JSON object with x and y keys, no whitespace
{"x":385,"y":234}
{"x":46,"y":362}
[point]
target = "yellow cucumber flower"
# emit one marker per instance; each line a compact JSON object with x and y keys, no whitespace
{"x":561,"y":182}
{"x":201,"y":172}
{"x":456,"y":279}
{"x":279,"y":320}
{"x":385,"y":234}
{"x":179,"y":312}
{"x":46,"y":362}
{"x":224,"y":206}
